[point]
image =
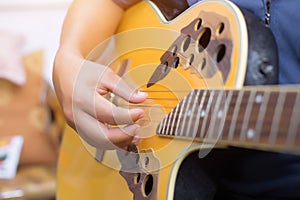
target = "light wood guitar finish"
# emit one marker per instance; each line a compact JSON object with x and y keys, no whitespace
{"x":204,"y":50}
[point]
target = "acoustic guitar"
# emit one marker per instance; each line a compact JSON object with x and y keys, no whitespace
{"x":194,"y":67}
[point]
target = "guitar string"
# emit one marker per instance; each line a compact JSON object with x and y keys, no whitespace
{"x":192,"y":117}
{"x":172,"y":99}
{"x":188,"y":91}
{"x":166,"y":91}
{"x":149,"y":105}
{"x":179,"y":118}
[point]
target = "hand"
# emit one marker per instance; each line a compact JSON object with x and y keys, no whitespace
{"x":81,"y":91}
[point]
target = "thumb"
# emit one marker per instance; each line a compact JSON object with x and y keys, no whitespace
{"x":124,"y":136}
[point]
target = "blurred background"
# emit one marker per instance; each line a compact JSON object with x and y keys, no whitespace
{"x":38,"y":22}
{"x":31,"y":120}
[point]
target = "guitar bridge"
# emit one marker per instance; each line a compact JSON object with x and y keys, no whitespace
{"x":140,"y":169}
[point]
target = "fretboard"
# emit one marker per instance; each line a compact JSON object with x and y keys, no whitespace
{"x":252,"y":118}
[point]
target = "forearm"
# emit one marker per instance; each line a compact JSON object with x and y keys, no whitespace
{"x":88,"y":22}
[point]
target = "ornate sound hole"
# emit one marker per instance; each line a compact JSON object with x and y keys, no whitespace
{"x":204,"y":39}
{"x":204,"y":47}
{"x":186,"y":43}
{"x":164,"y":69}
{"x":220,"y":28}
{"x":137,"y":178}
{"x":148,"y":185}
{"x":221,"y":50}
{"x":174,"y":50}
{"x":191,"y":60}
{"x":198,"y":24}
{"x":175,"y":63}
{"x":203,"y":64}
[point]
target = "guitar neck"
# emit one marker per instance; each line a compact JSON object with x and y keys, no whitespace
{"x":249,"y":117}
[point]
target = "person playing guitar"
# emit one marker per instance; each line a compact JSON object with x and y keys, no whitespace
{"x":231,"y":173}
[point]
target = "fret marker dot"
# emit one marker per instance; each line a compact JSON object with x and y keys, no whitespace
{"x":220,"y":113}
{"x":258,"y":98}
{"x":203,"y":113}
{"x":250,"y":133}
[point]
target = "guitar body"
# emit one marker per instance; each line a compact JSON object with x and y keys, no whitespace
{"x":143,"y":37}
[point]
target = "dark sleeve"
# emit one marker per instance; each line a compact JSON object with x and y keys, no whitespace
{"x":125,"y":3}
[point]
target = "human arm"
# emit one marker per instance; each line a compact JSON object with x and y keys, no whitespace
{"x":85,"y":26}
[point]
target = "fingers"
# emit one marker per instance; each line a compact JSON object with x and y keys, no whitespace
{"x":92,"y":111}
{"x":124,"y":136}
{"x":96,"y":80}
{"x":111,"y":114}
{"x":101,"y":136}
{"x":112,"y":82}
{"x":107,"y":112}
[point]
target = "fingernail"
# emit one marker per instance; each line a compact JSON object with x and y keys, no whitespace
{"x":136,"y":139}
{"x":141,"y":94}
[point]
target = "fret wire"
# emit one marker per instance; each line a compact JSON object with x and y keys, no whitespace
{"x":235,"y":115}
{"x":194,"y":117}
{"x":186,"y":112}
{"x":180,"y":114}
{"x":215,"y":113}
{"x":285,"y":119}
{"x":292,"y":131}
{"x":251,"y":131}
{"x":164,"y":125}
{"x":167,"y":122}
{"x":261,"y":115}
{"x":247,"y":115}
{"x":193,"y":109}
{"x":174,"y":118}
{"x":212,"y":93}
{"x":169,"y":118}
{"x":160,"y":125}
{"x":274,"y":123}
{"x":276,"y":118}
{"x":227,"y":105}
{"x":199,"y":113}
